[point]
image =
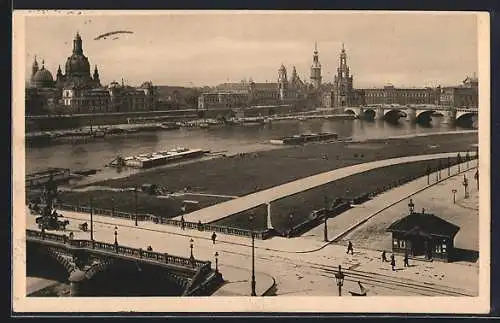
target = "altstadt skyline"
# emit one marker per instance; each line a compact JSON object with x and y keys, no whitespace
{"x":205,"y":50}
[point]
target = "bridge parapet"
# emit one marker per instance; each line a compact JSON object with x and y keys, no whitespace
{"x":262,"y":235}
{"x":160,"y":258}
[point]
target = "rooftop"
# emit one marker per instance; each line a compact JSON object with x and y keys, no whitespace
{"x":425,"y":223}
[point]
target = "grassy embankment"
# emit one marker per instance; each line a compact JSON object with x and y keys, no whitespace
{"x":241,"y":175}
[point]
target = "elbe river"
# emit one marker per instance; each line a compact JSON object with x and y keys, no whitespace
{"x":229,"y":139}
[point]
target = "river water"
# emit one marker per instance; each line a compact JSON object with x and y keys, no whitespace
{"x":229,"y":139}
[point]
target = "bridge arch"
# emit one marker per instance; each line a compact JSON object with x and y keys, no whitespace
{"x":46,"y":262}
{"x":393,"y":114}
{"x":424,"y":115}
{"x":351,"y":111}
{"x":465,"y":117}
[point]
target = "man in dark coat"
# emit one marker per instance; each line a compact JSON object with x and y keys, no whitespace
{"x":214,"y":236}
{"x":406,"y":260}
{"x":183,"y":223}
{"x":384,"y":257}
{"x":350,"y":248}
{"x":393,"y":262}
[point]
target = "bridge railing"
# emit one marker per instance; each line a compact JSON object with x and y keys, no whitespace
{"x":105,"y":212}
{"x":263,"y":234}
{"x":118,"y":249}
{"x":150,"y":217}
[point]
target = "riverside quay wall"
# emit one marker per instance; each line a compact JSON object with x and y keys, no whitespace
{"x":69,"y":121}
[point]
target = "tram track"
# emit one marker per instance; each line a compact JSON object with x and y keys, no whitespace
{"x":371,"y":278}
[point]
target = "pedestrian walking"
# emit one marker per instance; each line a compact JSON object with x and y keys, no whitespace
{"x":214,"y":236}
{"x":393,"y":262}
{"x":183,"y":223}
{"x":384,"y":256}
{"x":350,"y":248}
{"x":406,"y":260}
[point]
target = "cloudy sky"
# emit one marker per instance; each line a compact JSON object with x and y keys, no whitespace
{"x":206,"y":49}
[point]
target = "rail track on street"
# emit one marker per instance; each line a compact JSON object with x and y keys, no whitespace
{"x":354,"y":275}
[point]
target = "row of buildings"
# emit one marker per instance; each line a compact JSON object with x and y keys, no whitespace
{"x":336,"y":95}
{"x":80,"y":91}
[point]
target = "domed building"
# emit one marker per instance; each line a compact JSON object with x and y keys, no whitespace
{"x":77,"y":70}
{"x":41,"y":96}
{"x":41,"y":78}
{"x":77,"y":90}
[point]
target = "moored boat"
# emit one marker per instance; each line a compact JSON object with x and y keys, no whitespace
{"x":159,"y":158}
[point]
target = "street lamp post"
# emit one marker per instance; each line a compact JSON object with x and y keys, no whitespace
{"x":339,"y":277}
{"x":290,"y":219}
{"x":439,"y":169}
{"x":253,"y":257}
{"x":476,"y":177}
{"x":465,"y":183}
{"x":454,"y":191}
{"x":459,"y":160}
{"x":91,"y":221}
{"x":428,"y":174}
{"x":216,"y":262}
{"x":448,"y":161}
{"x":467,"y":158}
{"x":112,"y":207}
{"x":116,"y":238}
{"x":326,"y":219}
{"x":135,"y":195}
{"x":191,"y":245}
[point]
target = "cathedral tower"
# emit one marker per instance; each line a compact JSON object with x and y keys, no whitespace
{"x":316,"y":69}
{"x":34,"y":69}
{"x":96,"y":76}
{"x":342,"y":84}
{"x":282,"y":82}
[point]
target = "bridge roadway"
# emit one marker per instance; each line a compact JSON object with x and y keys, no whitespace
{"x":225,"y":209}
{"x":304,"y":266}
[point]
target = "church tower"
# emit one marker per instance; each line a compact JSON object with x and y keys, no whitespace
{"x":96,"y":76}
{"x":342,"y":84}
{"x":34,"y":69}
{"x":282,"y":82}
{"x":77,"y":45}
{"x":316,"y":69}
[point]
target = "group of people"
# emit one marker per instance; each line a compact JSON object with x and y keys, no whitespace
{"x":350,"y":249}
{"x":393,"y":260}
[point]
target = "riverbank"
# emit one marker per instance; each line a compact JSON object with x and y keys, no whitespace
{"x":101,"y":132}
{"x":247,"y":173}
{"x":243,"y":173}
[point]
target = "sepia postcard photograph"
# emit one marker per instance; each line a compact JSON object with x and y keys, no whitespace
{"x":251,"y":161}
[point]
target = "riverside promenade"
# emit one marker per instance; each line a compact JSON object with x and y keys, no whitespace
{"x":440,"y":186}
{"x":225,"y":209}
{"x":299,"y":266}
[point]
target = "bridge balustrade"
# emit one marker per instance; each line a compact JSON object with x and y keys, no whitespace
{"x":150,"y":217}
{"x":121,"y":250}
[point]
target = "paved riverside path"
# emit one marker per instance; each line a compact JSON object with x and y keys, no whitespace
{"x":222,"y":210}
{"x":436,"y":199}
{"x":339,"y":226}
{"x":300,"y":266}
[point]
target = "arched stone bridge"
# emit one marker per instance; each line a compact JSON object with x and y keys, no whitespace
{"x":101,"y":269}
{"x":412,"y":113}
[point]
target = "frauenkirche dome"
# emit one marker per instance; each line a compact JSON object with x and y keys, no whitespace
{"x":77,"y":64}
